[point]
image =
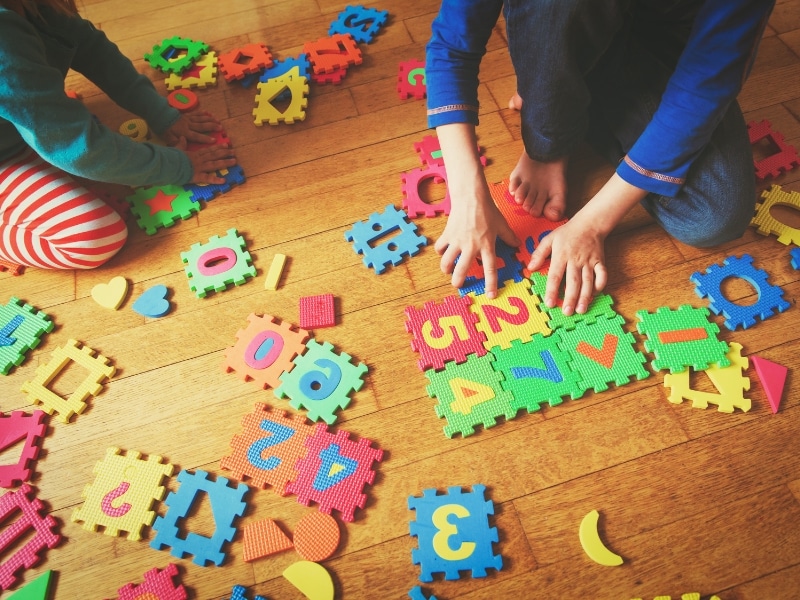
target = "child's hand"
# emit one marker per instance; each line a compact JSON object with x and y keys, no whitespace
{"x":577,"y":258}
{"x":193,"y":128}
{"x":207,"y":161}
{"x":471,"y":232}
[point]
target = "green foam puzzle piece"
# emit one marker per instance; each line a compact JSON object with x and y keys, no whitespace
{"x":600,"y":307}
{"x":38,"y":589}
{"x":469,"y":394}
{"x":602,"y":352}
{"x":536,"y":371}
{"x":220,"y":262}
{"x":682,"y":338}
{"x":21,"y":329}
{"x":161,"y":206}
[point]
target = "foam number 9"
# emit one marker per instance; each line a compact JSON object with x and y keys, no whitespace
{"x":318,"y":385}
{"x":446,"y":529}
{"x":136,"y":129}
{"x":278,"y":434}
{"x":448,"y":325}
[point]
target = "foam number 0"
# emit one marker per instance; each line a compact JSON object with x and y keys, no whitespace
{"x":263,"y":350}
{"x":446,"y":529}
{"x":318,"y":385}
{"x":449,"y":326}
{"x":278,"y":434}
{"x":495,"y":314}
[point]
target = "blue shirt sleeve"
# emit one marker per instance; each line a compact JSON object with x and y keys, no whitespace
{"x":708,"y":77}
{"x":460,"y":33}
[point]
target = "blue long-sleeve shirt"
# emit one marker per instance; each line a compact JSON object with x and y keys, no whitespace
{"x":35,"y":55}
{"x":709,"y":75}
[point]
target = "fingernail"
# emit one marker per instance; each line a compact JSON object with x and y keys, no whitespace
{"x":581,"y":308}
{"x":566,"y":309}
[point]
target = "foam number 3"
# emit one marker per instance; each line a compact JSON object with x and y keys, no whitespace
{"x":318,"y":385}
{"x":446,"y":530}
{"x":278,"y":434}
{"x":448,"y":326}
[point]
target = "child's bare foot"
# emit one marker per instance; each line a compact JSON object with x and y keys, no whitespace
{"x":515,"y":102}
{"x":540,"y":187}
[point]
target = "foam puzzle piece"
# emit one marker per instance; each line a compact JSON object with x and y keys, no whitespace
{"x":444,"y":332}
{"x":413,"y":203}
{"x":729,"y":381}
{"x":311,"y":579}
{"x":226,"y":505}
{"x":162,"y":57}
{"x":469,"y":394}
{"x":153,"y":302}
{"x":335,"y":77}
{"x":135,"y":129}
{"x":321,"y":382}
{"x":766,"y":224}
{"x":218,"y":263}
{"x":508,"y":269}
{"x":593,"y":545}
{"x":239,"y":592}
{"x":317,"y":311}
{"x":263,"y":538}
{"x":600,"y":307}
{"x":537,"y":371}
{"x":531,"y":230}
{"x":334,"y":472}
{"x":275,"y":272}
{"x":293,"y":66}
{"x":264,"y":350}
{"x":201,"y":74}
{"x":21,"y":330}
{"x":450,"y":545}
{"x":282,"y":435}
{"x":403,"y":239}
{"x":158,"y":584}
{"x":337,"y":51}
{"x":709,"y":285}
{"x":15,"y":427}
{"x":785,"y":159}
{"x":430,"y":152}
{"x":183,"y":100}
{"x":161,"y":206}
{"x":277,"y":88}
{"x":416,"y":593}
{"x":316,"y":536}
{"x":246,"y":60}
{"x":13,"y":268}
{"x":795,"y":254}
{"x":122,"y":494}
{"x":98,"y":368}
{"x":31,"y":517}
{"x":111,"y":295}
{"x":362,"y":23}
{"x":38,"y":589}
{"x":773,"y":379}
{"x":208,"y":191}
{"x":411,"y":80}
{"x":602,"y":353}
{"x":682,"y":338}
{"x":513,"y":315}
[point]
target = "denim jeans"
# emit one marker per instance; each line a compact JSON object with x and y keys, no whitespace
{"x":595,"y":70}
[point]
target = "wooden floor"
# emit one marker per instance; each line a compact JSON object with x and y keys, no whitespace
{"x":694,"y":500}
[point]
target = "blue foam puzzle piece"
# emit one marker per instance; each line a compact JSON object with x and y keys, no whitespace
{"x":510,"y":269}
{"x":239,"y":593}
{"x":360,"y":22}
{"x":416,"y":593}
{"x":795,"y":254}
{"x":403,"y":239}
{"x":233,"y":176}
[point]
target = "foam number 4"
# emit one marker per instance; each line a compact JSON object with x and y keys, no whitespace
{"x":278,"y":435}
{"x":445,"y":530}
{"x":450,"y":327}
{"x":318,"y":385}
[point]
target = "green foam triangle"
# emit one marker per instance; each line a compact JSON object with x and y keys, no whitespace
{"x":35,"y":590}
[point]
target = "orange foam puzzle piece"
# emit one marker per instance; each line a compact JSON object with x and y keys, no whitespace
{"x":264,"y":538}
{"x":316,"y":536}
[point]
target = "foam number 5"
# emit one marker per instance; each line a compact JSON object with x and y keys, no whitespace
{"x":446,"y":529}
{"x":318,"y":385}
{"x":278,"y":434}
{"x":449,"y":326}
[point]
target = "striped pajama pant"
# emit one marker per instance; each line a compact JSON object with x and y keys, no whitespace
{"x":48,"y":220}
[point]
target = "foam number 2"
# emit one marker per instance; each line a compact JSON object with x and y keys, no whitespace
{"x":495,"y":314}
{"x":449,"y":326}
{"x":318,"y":385}
{"x":445,"y":530}
{"x":278,"y":434}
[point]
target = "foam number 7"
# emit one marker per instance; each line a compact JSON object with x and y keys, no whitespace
{"x":446,"y":530}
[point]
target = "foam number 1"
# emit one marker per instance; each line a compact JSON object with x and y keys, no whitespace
{"x":277,"y":435}
{"x":445,"y":530}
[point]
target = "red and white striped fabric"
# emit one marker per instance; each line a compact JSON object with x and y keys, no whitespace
{"x":48,"y":220}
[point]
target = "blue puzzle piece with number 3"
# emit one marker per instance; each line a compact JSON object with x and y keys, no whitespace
{"x":453,"y":533}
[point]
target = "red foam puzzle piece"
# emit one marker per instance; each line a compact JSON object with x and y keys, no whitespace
{"x":13,"y":428}
{"x":157,"y":585}
{"x":317,"y":311}
{"x":330,"y":54}
{"x":773,"y":379}
{"x":785,"y":159}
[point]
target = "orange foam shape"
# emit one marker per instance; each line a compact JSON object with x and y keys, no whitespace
{"x":316,"y":536}
{"x":264,"y":538}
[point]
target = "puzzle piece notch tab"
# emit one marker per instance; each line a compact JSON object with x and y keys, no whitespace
{"x":403,"y":241}
{"x":158,"y":584}
{"x":766,"y":224}
{"x":453,"y":533}
{"x":218,"y":263}
{"x":246,"y":60}
{"x":15,"y":427}
{"x":328,"y":54}
{"x":362,"y":23}
{"x":158,"y":57}
{"x":784,"y":160}
{"x":123,"y":492}
{"x":98,"y":368}
{"x":226,"y":505}
{"x":411,"y":80}
{"x":13,"y":268}
{"x":773,"y":379}
{"x":709,"y":285}
{"x":32,"y":517}
{"x":413,"y":203}
{"x":21,"y":330}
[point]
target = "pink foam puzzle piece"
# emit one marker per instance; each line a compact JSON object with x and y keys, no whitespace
{"x":773,"y":379}
{"x":14,"y":428}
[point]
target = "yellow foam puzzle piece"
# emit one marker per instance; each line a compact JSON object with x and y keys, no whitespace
{"x":767,"y":224}
{"x":200,"y":75}
{"x":310,"y":578}
{"x":271,"y":89}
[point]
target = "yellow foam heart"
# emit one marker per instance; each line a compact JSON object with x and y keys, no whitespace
{"x":111,"y":294}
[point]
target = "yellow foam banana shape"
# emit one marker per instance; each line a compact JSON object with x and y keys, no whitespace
{"x":593,"y":545}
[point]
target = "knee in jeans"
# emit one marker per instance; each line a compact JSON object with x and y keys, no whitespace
{"x":713,"y":232}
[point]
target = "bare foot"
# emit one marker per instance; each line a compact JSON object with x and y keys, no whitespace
{"x":540,"y":187}
{"x":515,"y":102}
